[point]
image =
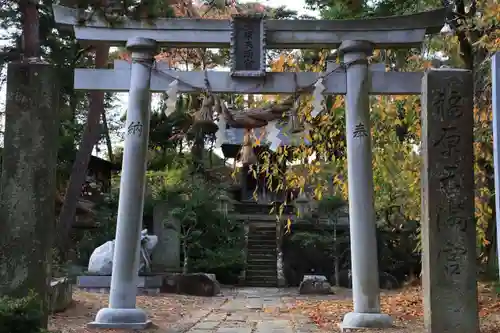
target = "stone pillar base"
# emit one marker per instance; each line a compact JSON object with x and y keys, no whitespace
{"x":133,"y":319}
{"x":365,"y":320}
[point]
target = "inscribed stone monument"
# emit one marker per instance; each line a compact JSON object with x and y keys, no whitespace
{"x":448,"y":229}
{"x":167,"y":254}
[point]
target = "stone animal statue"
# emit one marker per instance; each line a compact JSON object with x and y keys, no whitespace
{"x":101,"y":260}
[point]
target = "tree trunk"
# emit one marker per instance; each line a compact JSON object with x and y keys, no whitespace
{"x":185,"y":264}
{"x":107,"y":136}
{"x":91,"y":135}
{"x":336,"y":259}
{"x":197,"y":153}
{"x":211,"y":156}
{"x":31,"y":28}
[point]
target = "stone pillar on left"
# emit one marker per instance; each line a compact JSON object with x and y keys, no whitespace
{"x":29,"y":161}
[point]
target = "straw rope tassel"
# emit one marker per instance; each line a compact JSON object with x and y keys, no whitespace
{"x":204,"y":117}
{"x":247,"y":153}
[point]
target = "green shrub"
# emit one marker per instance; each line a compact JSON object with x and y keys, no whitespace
{"x":211,"y":240}
{"x":225,"y":262}
{"x":20,"y":315}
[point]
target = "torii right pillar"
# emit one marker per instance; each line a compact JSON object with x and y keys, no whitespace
{"x":364,"y":261}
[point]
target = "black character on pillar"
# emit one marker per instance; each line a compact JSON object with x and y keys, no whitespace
{"x":135,"y":128}
{"x":360,"y":131}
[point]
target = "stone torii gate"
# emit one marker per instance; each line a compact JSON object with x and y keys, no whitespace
{"x":248,"y":37}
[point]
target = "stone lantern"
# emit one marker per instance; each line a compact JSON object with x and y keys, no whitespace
{"x":225,"y":204}
{"x":302,"y":205}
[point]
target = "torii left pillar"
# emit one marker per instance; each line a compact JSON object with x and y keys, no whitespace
{"x":364,"y":261}
{"x":122,"y":312}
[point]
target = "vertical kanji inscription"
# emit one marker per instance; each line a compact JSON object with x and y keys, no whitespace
{"x":248,"y":46}
{"x":448,"y":229}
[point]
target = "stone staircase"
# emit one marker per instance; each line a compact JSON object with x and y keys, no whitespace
{"x":261,"y":255}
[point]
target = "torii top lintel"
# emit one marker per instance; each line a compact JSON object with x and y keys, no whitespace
{"x":404,"y":31}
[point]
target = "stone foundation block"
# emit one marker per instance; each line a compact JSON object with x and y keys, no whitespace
{"x":60,"y":295}
{"x":315,"y":285}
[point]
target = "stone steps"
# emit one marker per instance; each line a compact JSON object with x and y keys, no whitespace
{"x":264,"y":268}
{"x":261,"y":261}
{"x":267,"y":235}
{"x":258,"y":282}
{"x":267,"y":272}
{"x":262,"y":250}
{"x":262,"y":240}
{"x":256,"y":257}
{"x":263,"y":243}
{"x":261,"y":256}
